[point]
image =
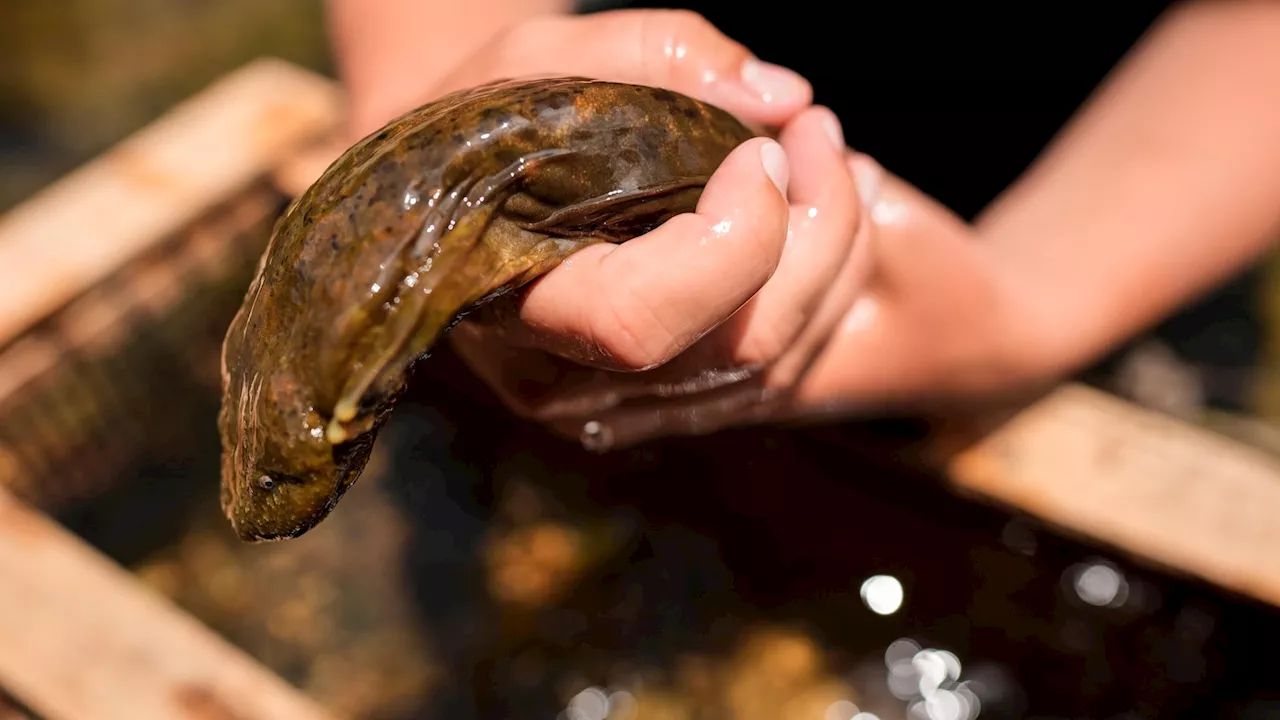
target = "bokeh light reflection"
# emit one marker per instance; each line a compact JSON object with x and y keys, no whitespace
{"x":1099,"y":583}
{"x":882,"y":594}
{"x":928,"y":680}
{"x":842,"y":710}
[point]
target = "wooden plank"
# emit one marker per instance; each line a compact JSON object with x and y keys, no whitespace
{"x":1181,"y":496}
{"x":81,"y":639}
{"x":78,"y":380}
{"x":204,"y":151}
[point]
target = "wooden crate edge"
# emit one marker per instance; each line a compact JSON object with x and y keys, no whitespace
{"x":86,"y":225}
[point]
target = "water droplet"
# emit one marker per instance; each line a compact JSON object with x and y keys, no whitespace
{"x":596,"y":437}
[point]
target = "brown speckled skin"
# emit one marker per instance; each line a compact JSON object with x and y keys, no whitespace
{"x":466,"y":198}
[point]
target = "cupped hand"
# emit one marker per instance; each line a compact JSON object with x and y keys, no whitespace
{"x":721,"y":311}
{"x":943,"y":318}
{"x":884,"y":300}
{"x":673,"y":49}
{"x":733,"y":295}
{"x":794,"y":290}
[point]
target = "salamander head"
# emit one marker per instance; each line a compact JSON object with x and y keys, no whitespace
{"x":280,"y":474}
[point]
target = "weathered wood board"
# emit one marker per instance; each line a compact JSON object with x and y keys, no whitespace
{"x":1158,"y":488}
{"x":80,"y":638}
{"x":85,"y":226}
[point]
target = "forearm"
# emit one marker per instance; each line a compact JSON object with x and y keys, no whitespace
{"x":382,"y":44}
{"x":1166,"y":184}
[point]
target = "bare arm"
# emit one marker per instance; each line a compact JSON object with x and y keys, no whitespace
{"x":1167,"y":183}
{"x":381,"y":44}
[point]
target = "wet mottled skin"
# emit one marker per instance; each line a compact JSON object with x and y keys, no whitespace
{"x":456,"y":203}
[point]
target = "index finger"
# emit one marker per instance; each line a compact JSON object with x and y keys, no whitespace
{"x":677,"y":50}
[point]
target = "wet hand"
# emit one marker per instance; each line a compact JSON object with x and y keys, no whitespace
{"x":944,"y":318}
{"x":712,"y":319}
{"x":673,"y":49}
{"x":883,"y":300}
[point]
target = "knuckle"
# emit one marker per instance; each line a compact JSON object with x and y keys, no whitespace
{"x":678,"y":42}
{"x":518,"y":42}
{"x":683,"y":22}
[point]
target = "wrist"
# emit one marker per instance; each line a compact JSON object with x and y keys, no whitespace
{"x":1042,"y":330}
{"x":1004,"y":340}
{"x":995,"y":340}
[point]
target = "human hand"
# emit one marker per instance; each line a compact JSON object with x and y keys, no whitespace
{"x":944,"y":317}
{"x":659,"y":294}
{"x":624,"y":378}
{"x":722,"y":310}
{"x":634,"y":342}
{"x":920,"y":312}
{"x":673,"y":49}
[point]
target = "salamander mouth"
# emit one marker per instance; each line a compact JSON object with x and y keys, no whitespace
{"x":265,"y":524}
{"x":255,"y":526}
{"x":252,"y":536}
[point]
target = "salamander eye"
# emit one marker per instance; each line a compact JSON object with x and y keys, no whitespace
{"x":271,"y":480}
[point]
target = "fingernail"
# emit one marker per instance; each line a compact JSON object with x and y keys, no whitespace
{"x":832,"y":125}
{"x":775,"y":165}
{"x":773,"y":83}
{"x":866,"y":175}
